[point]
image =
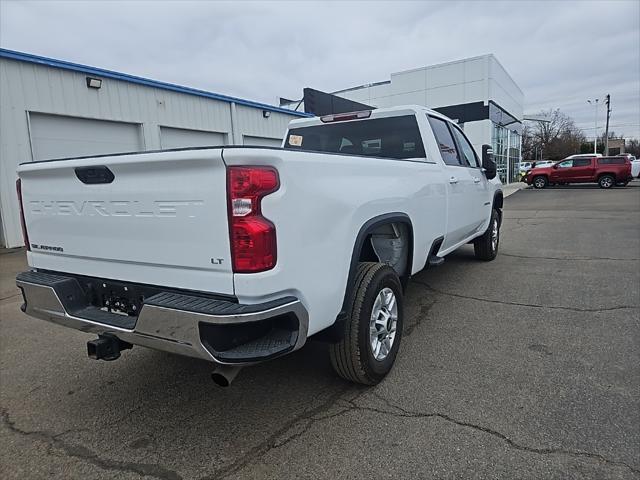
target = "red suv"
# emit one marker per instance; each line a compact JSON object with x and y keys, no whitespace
{"x":605,"y":171}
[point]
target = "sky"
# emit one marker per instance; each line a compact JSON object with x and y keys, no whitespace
{"x":559,"y":53}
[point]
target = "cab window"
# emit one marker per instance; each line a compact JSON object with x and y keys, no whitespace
{"x":566,"y":164}
{"x":468,"y":153}
{"x":445,"y":141}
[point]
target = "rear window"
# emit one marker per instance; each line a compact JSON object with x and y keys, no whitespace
{"x":393,"y":137}
{"x":611,"y":160}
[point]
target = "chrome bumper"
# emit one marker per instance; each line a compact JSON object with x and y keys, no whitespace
{"x":159,"y":325}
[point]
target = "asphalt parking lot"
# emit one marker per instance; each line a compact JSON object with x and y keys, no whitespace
{"x":525,"y":367}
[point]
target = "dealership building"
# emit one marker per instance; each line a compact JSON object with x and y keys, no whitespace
{"x":53,"y":109}
{"x":477,"y":92}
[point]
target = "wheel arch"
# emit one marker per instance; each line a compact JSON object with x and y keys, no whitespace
{"x":498,"y":199}
{"x":611,"y":174}
{"x":541,"y":175}
{"x":498,"y":203}
{"x":331,"y":334}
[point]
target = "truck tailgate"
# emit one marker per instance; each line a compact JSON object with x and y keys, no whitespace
{"x":161,"y":219}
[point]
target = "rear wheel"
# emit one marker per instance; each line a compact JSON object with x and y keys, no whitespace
{"x":540,"y":181}
{"x":372,"y":333}
{"x":606,"y":181}
{"x":486,"y":246}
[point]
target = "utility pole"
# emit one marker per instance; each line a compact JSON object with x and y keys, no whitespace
{"x":606,"y":131}
{"x":595,"y":135}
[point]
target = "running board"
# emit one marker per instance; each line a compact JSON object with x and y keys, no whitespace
{"x":435,"y":261}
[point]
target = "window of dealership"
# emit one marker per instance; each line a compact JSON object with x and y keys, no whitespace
{"x":506,"y":145}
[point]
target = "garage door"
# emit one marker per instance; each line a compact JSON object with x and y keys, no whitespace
{"x":59,"y":136}
{"x":263,"y":141}
{"x":180,"y":137}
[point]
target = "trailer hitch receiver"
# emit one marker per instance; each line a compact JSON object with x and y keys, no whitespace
{"x":106,"y":347}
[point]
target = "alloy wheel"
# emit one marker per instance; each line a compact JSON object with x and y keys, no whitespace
{"x":383,"y":323}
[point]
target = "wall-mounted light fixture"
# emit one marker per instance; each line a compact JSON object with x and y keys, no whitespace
{"x":94,"y":82}
{"x":266,"y":113}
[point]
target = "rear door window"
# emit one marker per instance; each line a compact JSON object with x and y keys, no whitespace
{"x":447,"y":145}
{"x":582,"y":162}
{"x":391,"y":137}
{"x":467,"y":152}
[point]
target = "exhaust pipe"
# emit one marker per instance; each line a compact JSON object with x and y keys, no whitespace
{"x":223,"y":375}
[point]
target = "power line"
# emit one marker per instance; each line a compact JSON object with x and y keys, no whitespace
{"x":616,"y":125}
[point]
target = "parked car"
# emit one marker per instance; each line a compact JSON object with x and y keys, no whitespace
{"x":238,"y":255}
{"x":524,"y":167}
{"x":542,"y":163}
{"x":635,"y":164}
{"x":605,"y":171}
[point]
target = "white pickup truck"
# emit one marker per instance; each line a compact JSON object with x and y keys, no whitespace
{"x":238,"y":255}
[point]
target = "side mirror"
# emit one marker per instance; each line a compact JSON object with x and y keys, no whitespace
{"x":555,"y":166}
{"x":489,"y":166}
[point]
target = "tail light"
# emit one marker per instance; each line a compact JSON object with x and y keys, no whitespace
{"x":253,"y":237}
{"x":22,"y":221}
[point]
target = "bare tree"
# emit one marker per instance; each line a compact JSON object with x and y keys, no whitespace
{"x":557,"y":137}
{"x":633,"y":147}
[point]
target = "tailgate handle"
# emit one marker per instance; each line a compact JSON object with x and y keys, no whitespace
{"x":94,"y":175}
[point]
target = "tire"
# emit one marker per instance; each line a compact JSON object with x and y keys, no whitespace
{"x":540,"y":181}
{"x":606,"y":181}
{"x":486,"y":246}
{"x":353,"y":357}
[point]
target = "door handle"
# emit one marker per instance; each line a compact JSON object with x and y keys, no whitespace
{"x":453,"y":180}
{"x":476,"y":180}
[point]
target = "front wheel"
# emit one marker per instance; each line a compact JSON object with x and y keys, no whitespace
{"x":372,"y":332}
{"x":540,"y":181}
{"x":486,"y":246}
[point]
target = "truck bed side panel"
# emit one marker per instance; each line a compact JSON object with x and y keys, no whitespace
{"x":318,"y":211}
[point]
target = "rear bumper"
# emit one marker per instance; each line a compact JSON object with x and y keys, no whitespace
{"x":198,"y":326}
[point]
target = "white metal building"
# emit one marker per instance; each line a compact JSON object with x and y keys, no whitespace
{"x":476,"y":92}
{"x":52,"y":109}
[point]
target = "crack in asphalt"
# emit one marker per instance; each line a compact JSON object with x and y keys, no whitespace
{"x":83,"y":453}
{"x":254,"y":454}
{"x":572,"y":258}
{"x":9,"y":251}
{"x":313,"y":417}
{"x":10,"y":296}
{"x":530,"y":305}
{"x":424,"y":311}
{"x":519,"y":225}
{"x":110,"y":424}
{"x":401,"y":412}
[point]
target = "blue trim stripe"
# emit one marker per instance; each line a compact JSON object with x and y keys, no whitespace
{"x":100,"y":72}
